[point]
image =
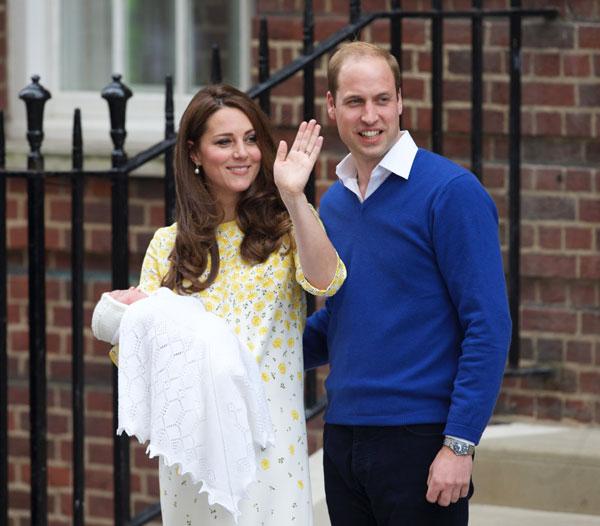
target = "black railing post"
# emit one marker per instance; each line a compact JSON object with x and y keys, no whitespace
{"x":216,"y":76}
{"x":308,"y":89}
{"x":117,"y":94}
{"x":437,"y":70}
{"x":78,"y":379}
{"x":35,"y":97}
{"x":514,"y":189}
{"x":354,"y":16}
{"x":396,"y":37}
{"x":3,"y":340}
{"x":263,"y":65}
{"x":476,"y":91}
{"x":169,"y":168}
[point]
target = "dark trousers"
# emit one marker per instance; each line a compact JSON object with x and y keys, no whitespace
{"x":377,"y":476}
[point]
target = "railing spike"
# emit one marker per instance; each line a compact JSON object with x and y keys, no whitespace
{"x":216,"y":76}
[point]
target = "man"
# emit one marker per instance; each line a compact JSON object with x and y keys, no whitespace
{"x":417,"y":336}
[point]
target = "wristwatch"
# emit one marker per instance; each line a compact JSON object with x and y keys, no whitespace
{"x":459,"y":447}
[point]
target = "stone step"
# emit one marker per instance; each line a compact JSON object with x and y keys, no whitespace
{"x":533,"y":466}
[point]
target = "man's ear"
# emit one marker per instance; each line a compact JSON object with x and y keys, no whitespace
{"x":330,"y":106}
{"x":399,"y":102}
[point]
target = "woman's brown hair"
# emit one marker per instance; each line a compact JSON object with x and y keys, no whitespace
{"x":260,"y":213}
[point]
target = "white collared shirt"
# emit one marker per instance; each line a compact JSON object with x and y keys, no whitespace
{"x":398,"y":160}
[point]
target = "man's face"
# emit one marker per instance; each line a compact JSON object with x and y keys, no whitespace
{"x":366,"y":108}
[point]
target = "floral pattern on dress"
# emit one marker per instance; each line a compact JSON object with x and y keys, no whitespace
{"x":265,"y":306}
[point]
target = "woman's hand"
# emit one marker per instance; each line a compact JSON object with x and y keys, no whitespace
{"x":128,"y":296}
{"x":292,"y":169}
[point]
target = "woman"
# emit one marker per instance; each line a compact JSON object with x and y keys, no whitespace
{"x":247,"y":242}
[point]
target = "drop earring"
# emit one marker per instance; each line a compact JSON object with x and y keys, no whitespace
{"x":197,"y":169}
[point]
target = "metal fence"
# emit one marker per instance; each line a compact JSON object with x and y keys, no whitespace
{"x":117,"y":94}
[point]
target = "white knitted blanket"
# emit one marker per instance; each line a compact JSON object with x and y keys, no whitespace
{"x":189,"y":387}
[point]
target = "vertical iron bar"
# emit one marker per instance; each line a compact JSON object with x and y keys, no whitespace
{"x":216,"y":77}
{"x":396,"y":37}
{"x":263,"y":65}
{"x":354,"y":16}
{"x":35,"y":97}
{"x":116,"y":93}
{"x":476,"y":91}
{"x":515,"y":182}
{"x":78,"y":379}
{"x":437,"y":66}
{"x":309,"y":113}
{"x":3,"y":348}
{"x":169,"y":134}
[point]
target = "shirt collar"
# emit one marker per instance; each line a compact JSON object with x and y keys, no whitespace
{"x":398,"y":160}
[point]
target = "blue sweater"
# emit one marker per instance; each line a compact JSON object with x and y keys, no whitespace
{"x":420,"y":330}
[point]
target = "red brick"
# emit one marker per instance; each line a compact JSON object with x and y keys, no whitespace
{"x":578,"y":180}
{"x":99,"y":453}
{"x":547,"y":65}
{"x":458,"y":120}
{"x":527,"y":236}
{"x":589,"y":37}
{"x":553,"y":292}
{"x":578,"y":125}
{"x":589,"y":210}
{"x":100,"y":506}
{"x":590,"y":382}
{"x":579,"y":352}
{"x":551,"y":320}
{"x":543,"y":207}
{"x":578,"y":238}
{"x":549,"y":407}
{"x":548,"y":94}
{"x":549,"y":350}
{"x":101,"y":479}
{"x":576,"y":65}
{"x":521,"y":405}
{"x":558,"y":34}
{"x":59,"y":476}
{"x":413,"y":31}
{"x":457,"y":32}
{"x":550,"y":237}
{"x":457,"y":90}
{"x":582,"y":294}
{"x":578,"y":410}
{"x":548,"y":123}
{"x":17,"y":237}
{"x":413,"y":89}
{"x":589,"y":267}
{"x":548,"y":265}
{"x":590,"y":323}
{"x":494,"y":121}
{"x":589,"y":95}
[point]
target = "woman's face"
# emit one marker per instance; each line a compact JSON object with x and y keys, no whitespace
{"x":229,"y":155}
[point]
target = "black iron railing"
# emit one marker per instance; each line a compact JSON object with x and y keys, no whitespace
{"x":116,"y":94}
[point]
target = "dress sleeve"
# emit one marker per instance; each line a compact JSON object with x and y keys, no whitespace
{"x":156,"y":260}
{"x":338,"y":278}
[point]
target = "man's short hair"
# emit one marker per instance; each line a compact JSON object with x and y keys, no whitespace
{"x":355,"y":49}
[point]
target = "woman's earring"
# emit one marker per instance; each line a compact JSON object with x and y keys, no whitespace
{"x":197,"y":169}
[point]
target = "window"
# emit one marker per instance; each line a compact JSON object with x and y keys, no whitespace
{"x":76,"y":45}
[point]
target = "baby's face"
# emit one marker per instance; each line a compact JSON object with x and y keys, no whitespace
{"x":128,"y":296}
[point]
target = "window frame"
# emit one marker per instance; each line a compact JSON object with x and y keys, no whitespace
{"x":33,"y":28}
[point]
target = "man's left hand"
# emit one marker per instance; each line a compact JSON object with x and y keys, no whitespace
{"x":449,"y":477}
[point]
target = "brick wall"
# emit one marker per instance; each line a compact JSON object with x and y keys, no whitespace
{"x":560,"y":230}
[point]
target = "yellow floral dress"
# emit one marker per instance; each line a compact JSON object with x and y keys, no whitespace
{"x":265,"y":306}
